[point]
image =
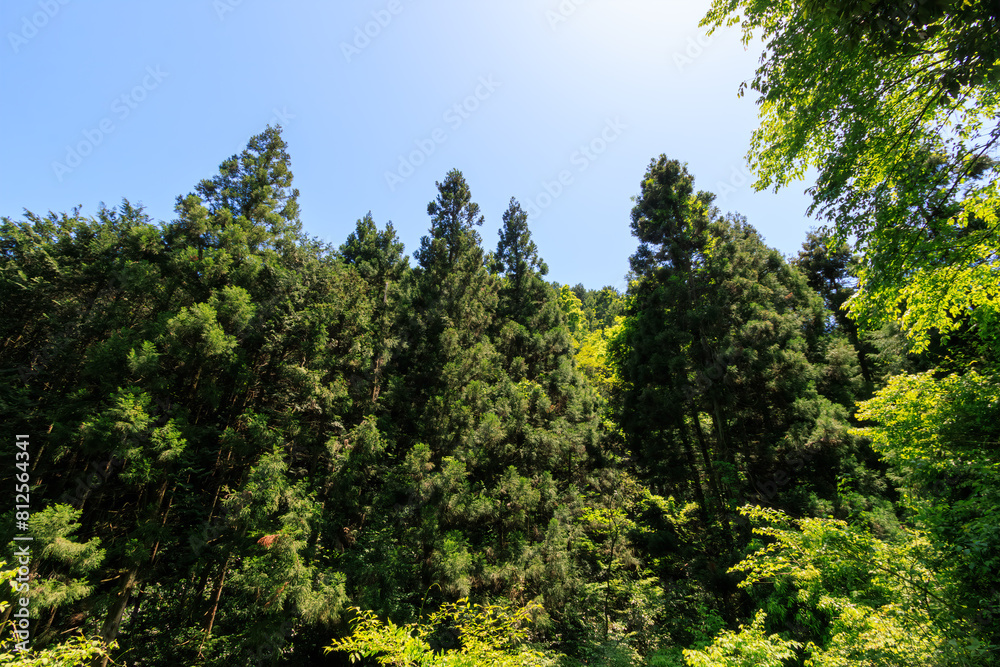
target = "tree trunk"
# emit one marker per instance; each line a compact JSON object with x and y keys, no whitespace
{"x":693,"y":464}
{"x":216,"y":595}
{"x":706,"y":456}
{"x":109,"y":632}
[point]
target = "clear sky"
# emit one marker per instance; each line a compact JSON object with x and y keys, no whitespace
{"x":559,"y":103}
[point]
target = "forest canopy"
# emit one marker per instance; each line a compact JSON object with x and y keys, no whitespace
{"x":244,"y":445}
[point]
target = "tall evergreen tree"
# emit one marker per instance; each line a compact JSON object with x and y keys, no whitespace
{"x":454,"y":217}
{"x":719,"y":359}
{"x":257,"y":185}
{"x":517,"y":259}
{"x":377,"y":255}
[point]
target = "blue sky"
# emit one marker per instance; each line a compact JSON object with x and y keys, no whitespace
{"x":559,"y":103}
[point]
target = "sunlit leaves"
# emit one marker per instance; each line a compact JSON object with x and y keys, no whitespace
{"x":748,"y":647}
{"x":487,"y":635}
{"x":866,"y":601}
{"x":895,"y":104}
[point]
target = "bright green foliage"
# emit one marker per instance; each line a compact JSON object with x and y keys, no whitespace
{"x":572,"y":307}
{"x":62,"y":577}
{"x":896,"y":105}
{"x":592,"y":357}
{"x":939,"y":434}
{"x":71,"y":652}
{"x":241,"y":432}
{"x":749,"y":647}
{"x":625,"y":592}
{"x":929,"y":425}
{"x":601,"y":307}
{"x":857,"y":599}
{"x":486,"y":635}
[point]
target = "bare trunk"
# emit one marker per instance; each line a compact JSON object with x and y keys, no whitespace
{"x":216,"y":595}
{"x":112,"y":624}
{"x":693,"y":465}
{"x":707,"y":457}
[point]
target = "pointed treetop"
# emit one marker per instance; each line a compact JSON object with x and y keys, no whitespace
{"x":375,"y":253}
{"x":669,"y":219}
{"x":516,"y":253}
{"x":453,"y":216}
{"x":257,"y":184}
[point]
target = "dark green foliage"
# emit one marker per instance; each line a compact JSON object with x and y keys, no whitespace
{"x":730,"y":390}
{"x":517,"y":259}
{"x":240,"y":432}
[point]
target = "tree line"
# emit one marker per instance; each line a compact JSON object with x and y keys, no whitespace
{"x":254,"y":446}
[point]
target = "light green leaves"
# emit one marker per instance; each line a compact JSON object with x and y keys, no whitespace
{"x":749,"y":647}
{"x":895,"y":106}
{"x":868,"y":602}
{"x":488,"y":635}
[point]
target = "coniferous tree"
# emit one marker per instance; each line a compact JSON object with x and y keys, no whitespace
{"x":256,"y":430}
{"x":517,"y":259}
{"x":721,"y":359}
{"x":204,"y":367}
{"x":377,"y":255}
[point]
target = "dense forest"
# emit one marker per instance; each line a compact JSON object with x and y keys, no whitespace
{"x":241,"y":445}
